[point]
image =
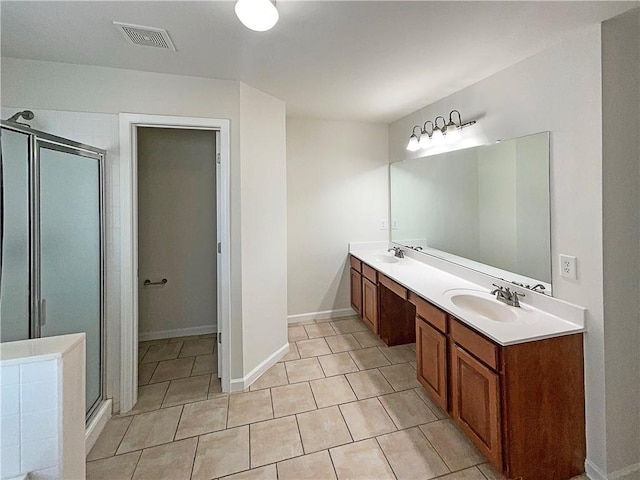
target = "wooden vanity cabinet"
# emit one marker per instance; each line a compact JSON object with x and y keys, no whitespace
{"x":396,"y":316}
{"x":370,"y":297}
{"x":521,"y":405}
{"x":356,"y":285}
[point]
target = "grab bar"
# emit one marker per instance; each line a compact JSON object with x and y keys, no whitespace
{"x":148,"y":282}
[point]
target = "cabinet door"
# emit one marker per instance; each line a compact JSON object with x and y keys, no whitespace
{"x":475,"y":401}
{"x":431,"y":353}
{"x":356,"y":291}
{"x":370,"y":304}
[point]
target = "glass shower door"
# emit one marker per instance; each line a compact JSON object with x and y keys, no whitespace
{"x":70,"y":252}
{"x":14,"y":246}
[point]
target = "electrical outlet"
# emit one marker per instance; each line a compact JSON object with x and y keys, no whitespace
{"x":568,"y":267}
{"x":383,"y":224}
{"x":394,"y":224}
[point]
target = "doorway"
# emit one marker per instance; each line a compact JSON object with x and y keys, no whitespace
{"x":175,"y":258}
{"x":177,"y":284}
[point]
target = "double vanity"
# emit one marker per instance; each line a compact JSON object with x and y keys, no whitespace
{"x":510,"y":377}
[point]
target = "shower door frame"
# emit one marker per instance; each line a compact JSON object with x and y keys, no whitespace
{"x":38,"y":139}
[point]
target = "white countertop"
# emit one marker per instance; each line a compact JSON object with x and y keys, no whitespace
{"x":38,"y":349}
{"x":435,"y":285}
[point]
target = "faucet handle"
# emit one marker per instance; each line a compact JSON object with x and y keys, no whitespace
{"x":514,"y":298}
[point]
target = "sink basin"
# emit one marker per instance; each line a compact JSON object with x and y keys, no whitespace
{"x":385,"y":259}
{"x":483,"y":304}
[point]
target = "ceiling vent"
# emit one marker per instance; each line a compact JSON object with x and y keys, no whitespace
{"x":145,"y":36}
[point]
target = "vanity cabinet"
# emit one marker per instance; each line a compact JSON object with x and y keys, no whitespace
{"x":356,"y":285}
{"x":521,"y":405}
{"x":370,"y":297}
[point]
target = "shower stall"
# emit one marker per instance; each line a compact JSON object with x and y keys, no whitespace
{"x":52,"y":259}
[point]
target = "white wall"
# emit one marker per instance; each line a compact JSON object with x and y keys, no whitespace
{"x":337,"y":186}
{"x":621,"y":224}
{"x":264,"y":225}
{"x":57,"y":86}
{"x":557,"y":90}
{"x":177,"y":232}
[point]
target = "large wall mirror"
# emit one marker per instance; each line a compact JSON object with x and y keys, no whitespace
{"x":485,"y":208}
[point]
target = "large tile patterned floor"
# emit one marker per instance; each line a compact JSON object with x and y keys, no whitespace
{"x":339,"y":405}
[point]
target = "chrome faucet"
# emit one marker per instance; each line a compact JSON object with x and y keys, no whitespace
{"x":398,"y":252}
{"x":505,"y":295}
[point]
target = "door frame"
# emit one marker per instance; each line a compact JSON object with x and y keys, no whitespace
{"x":128,"y":124}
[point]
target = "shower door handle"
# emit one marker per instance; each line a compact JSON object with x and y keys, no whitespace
{"x":43,"y":312}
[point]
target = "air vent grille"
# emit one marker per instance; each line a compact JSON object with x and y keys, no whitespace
{"x":145,"y":36}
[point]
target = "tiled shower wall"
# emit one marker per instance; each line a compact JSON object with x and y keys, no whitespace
{"x":29,"y":412}
{"x":98,"y":130}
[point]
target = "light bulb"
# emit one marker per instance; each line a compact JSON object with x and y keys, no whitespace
{"x":425,"y":140}
{"x":437,"y":137}
{"x":452,"y":133}
{"x":413,"y":144}
{"x":257,"y":15}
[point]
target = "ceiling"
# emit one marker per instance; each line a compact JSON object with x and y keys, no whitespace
{"x":373,"y":61}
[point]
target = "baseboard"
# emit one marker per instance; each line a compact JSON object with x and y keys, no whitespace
{"x":96,"y":425}
{"x":239,"y":384}
{"x":341,"y":312}
{"x":631,"y":472}
{"x":178,"y":332}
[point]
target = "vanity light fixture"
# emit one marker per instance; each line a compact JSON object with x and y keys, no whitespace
{"x":257,"y":15}
{"x":449,"y":131}
{"x":413,"y":145}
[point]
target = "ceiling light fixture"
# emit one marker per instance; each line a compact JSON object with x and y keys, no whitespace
{"x":257,"y":15}
{"x":447,"y":131}
{"x":413,"y":145}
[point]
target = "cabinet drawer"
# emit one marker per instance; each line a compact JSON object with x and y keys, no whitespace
{"x":432,"y":314}
{"x":355,"y":263}
{"x":369,"y":273}
{"x":393,"y":286}
{"x":474,"y":343}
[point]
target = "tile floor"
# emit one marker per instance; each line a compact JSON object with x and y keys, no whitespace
{"x":339,"y":405}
